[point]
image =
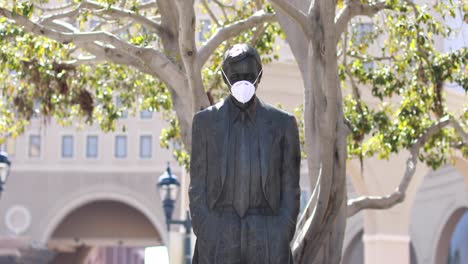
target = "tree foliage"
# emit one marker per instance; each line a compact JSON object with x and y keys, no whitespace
{"x":393,"y":57}
{"x":408,"y":75}
{"x":51,"y":79}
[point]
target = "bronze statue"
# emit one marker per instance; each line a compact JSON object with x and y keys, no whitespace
{"x":244,"y":189}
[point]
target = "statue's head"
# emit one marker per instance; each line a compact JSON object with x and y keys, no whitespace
{"x":241,"y":63}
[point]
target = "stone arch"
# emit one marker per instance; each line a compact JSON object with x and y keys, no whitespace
{"x":445,"y":234}
{"x":104,"y":193}
{"x":354,"y":252}
{"x":437,"y":198}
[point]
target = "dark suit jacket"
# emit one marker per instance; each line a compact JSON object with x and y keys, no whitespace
{"x":279,"y":157}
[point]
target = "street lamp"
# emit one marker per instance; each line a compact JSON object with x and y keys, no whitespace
{"x":168,"y":187}
{"x":4,"y":170}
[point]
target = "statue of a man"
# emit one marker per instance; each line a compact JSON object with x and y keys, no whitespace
{"x":244,"y":190}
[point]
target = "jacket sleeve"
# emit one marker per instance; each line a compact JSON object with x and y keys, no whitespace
{"x":198,"y":170}
{"x":290,"y":189}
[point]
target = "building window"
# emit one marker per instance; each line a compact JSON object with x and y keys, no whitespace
{"x":146,"y":146}
{"x":121,"y":146}
{"x":67,"y":146}
{"x":204,"y":29}
{"x":363,"y":30}
{"x":34,"y":146}
{"x":146,"y":114}
{"x":118,"y":104}
{"x":368,"y":66}
{"x":91,"y":146}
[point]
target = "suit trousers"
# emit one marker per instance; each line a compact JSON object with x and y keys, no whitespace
{"x":239,"y":240}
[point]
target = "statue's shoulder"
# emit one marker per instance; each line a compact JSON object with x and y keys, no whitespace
{"x":210,"y":111}
{"x":275,"y":112}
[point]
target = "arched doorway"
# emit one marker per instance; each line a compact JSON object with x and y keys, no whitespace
{"x":453,"y":239}
{"x":458,"y":248}
{"x":107,"y":231}
{"x":354,"y":253}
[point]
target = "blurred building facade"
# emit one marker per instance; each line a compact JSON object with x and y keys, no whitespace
{"x":90,"y":197}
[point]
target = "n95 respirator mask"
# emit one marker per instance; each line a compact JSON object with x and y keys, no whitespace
{"x":243,"y":90}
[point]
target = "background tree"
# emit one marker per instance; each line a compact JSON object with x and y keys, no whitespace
{"x":70,"y":60}
{"x":155,"y":62}
{"x":332,"y":55}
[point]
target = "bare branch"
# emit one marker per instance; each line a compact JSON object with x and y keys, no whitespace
{"x":374,"y":58}
{"x":151,"y":4}
{"x":356,"y":8}
{"x":88,"y":60}
{"x":187,"y":45}
{"x":210,"y":12}
{"x":230,"y":31}
{"x":312,"y":8}
{"x":122,"y":28}
{"x":100,"y":52}
{"x":99,"y":27}
{"x":258,"y":4}
{"x":257,"y":34}
{"x":106,"y":45}
{"x":55,"y":8}
{"x":388,"y":201}
{"x":121,"y":12}
{"x":72,"y":13}
{"x":354,"y":86}
{"x":123,"y":3}
{"x":189,"y":53}
{"x":296,"y":14}
{"x":220,"y":4}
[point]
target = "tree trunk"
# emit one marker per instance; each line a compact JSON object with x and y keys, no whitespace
{"x":321,"y":227}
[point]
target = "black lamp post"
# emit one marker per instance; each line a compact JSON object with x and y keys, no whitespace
{"x":4,"y":170}
{"x":168,"y":187}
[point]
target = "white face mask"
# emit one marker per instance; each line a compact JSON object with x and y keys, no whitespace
{"x":242,"y":90}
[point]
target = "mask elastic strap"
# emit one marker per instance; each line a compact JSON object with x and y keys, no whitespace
{"x":226,"y":78}
{"x":256,"y":79}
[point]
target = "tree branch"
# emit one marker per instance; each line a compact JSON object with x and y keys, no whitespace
{"x":210,"y":12}
{"x":230,"y":31}
{"x":88,"y":60}
{"x":388,"y":201}
{"x":151,"y":4}
{"x":220,"y":4}
{"x":55,"y":8}
{"x":356,"y":8}
{"x":121,"y":12}
{"x":257,"y":34}
{"x":108,"y":45}
{"x":122,"y":28}
{"x":296,"y":14}
{"x":189,"y":54}
{"x":72,"y":13}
